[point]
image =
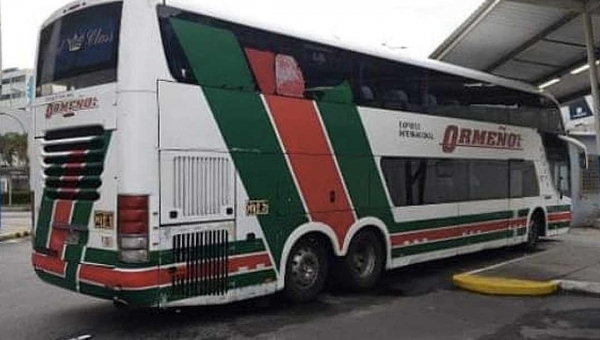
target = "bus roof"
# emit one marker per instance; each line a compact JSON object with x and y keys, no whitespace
{"x":204,"y":8}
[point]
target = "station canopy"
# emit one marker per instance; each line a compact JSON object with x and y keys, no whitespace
{"x":541,"y":42}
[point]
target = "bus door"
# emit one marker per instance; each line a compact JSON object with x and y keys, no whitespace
{"x":197,"y":190}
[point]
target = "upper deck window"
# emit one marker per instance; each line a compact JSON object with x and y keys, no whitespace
{"x":79,"y":50}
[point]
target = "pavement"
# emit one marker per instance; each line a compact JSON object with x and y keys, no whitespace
{"x":14,"y":223}
{"x":569,"y":263}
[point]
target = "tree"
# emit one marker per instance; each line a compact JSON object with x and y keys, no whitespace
{"x":13,"y":149}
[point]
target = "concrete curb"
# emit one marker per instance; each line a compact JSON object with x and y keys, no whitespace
{"x":585,"y":287}
{"x":14,"y":235}
{"x":504,"y":286}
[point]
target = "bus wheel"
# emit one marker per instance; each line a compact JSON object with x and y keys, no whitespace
{"x":533,"y":234}
{"x":361,"y":267}
{"x":306,"y":270}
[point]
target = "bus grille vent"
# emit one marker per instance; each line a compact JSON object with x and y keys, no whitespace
{"x":205,"y":255}
{"x":73,"y":163}
{"x":202,"y":185}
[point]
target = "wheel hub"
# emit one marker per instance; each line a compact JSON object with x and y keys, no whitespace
{"x":305,"y":267}
{"x":363,"y":260}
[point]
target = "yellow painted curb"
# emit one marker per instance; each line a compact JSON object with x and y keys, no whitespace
{"x":504,"y":286}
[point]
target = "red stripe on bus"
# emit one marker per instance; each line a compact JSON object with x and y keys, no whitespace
{"x":115,"y":278}
{"x":520,"y":222}
{"x":122,"y":279}
{"x":250,"y":262}
{"x":49,"y":264}
{"x":559,"y":216}
{"x":312,"y":162}
{"x":439,"y":234}
{"x":62,"y":215}
{"x":263,"y":67}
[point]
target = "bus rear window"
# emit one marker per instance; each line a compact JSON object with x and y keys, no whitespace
{"x":79,"y":50}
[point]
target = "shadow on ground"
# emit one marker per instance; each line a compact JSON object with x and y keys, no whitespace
{"x":265,"y":315}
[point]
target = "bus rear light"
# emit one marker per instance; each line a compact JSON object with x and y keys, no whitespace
{"x":133,"y":226}
{"x":134,"y":242}
{"x":133,"y":256}
{"x":133,"y":215}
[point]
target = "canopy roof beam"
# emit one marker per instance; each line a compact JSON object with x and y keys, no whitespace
{"x":535,"y":39}
{"x":569,"y":5}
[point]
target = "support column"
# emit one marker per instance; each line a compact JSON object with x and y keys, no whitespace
{"x":591,"y":54}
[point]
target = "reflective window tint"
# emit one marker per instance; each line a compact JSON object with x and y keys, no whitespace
{"x":79,"y":50}
{"x":422,"y":181}
{"x":488,"y":180}
{"x":523,"y":180}
{"x":338,"y":75}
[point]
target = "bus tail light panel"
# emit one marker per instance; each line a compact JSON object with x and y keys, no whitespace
{"x":133,"y":226}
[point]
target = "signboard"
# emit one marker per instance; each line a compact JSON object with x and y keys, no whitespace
{"x":579,"y":109}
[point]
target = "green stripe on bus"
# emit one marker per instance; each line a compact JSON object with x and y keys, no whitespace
{"x":246,"y":247}
{"x":164,"y":257}
{"x":523,"y":213}
{"x":453,"y":243}
{"x":81,"y":216}
{"x":260,"y":162}
{"x":54,"y":280}
{"x":450,"y":221}
{"x":252,"y":279}
{"x":558,"y":208}
{"x":42,"y":230}
{"x":215,"y":56}
{"x":218,"y":61}
{"x":355,"y":158}
{"x":559,"y":225}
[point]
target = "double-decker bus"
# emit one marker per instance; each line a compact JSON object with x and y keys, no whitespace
{"x":184,"y":157}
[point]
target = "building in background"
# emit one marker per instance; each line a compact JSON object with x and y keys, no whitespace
{"x":16,"y":93}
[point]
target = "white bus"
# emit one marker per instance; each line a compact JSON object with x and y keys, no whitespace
{"x":186,"y":157}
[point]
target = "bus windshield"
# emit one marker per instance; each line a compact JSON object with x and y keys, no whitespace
{"x":79,"y":50}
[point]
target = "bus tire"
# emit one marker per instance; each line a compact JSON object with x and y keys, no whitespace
{"x":306,"y":270}
{"x":533,"y":233}
{"x":360,"y":269}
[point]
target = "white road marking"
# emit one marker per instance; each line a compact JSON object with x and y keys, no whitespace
{"x":498,"y":265}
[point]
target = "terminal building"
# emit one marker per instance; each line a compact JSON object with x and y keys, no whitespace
{"x":543,"y":43}
{"x":17,"y":89}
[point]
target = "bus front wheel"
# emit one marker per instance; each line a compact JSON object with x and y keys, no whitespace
{"x":306,"y":270}
{"x":361,"y":267}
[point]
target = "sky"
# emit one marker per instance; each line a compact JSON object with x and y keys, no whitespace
{"x":415,"y":27}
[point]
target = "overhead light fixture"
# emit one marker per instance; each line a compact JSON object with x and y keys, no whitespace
{"x":549,"y":83}
{"x":583,"y":68}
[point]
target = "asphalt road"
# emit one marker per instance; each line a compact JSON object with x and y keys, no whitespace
{"x":413,"y":303}
{"x":14,"y":221}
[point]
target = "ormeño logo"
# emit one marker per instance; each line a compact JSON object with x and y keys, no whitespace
{"x":456,"y":136}
{"x":68,"y":108}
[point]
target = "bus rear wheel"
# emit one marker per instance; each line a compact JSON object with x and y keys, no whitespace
{"x":533,"y":233}
{"x":306,"y":270}
{"x":360,"y":269}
